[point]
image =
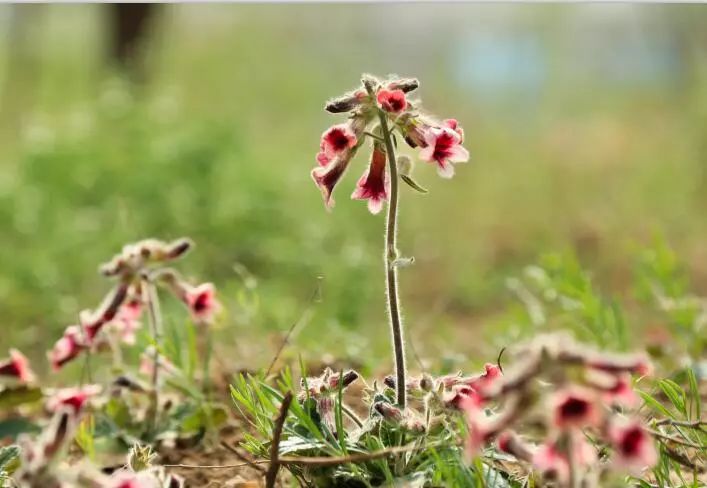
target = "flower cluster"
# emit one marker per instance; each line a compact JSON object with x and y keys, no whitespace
{"x":590,"y":393}
{"x":439,"y":141}
{"x":321,"y":390}
{"x":119,"y":316}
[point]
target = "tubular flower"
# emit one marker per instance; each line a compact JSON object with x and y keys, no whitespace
{"x":127,"y":321}
{"x":68,"y":347}
{"x":443,"y":146}
{"x":17,"y":365}
{"x":72,"y":398}
{"x":202,"y":302}
{"x":392,"y":101}
{"x":633,"y":446}
{"x":335,"y":141}
{"x":574,"y":407}
{"x":373,"y":184}
{"x":483,"y":382}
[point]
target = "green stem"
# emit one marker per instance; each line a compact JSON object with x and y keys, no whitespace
{"x":391,"y":254}
{"x":155,"y":319}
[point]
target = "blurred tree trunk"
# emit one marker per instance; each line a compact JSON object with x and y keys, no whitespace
{"x":130,"y":25}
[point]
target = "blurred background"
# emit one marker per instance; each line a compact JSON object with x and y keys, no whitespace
{"x":587,"y":126}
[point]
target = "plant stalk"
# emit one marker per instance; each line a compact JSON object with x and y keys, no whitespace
{"x":155,"y":318}
{"x":391,"y":254}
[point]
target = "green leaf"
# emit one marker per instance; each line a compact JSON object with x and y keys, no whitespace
{"x":9,"y":457}
{"x":655,"y":404}
{"x":19,"y":395}
{"x":13,"y":427}
{"x":413,"y":184}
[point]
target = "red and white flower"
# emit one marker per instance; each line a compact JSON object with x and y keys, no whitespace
{"x":17,"y":365}
{"x":575,"y":407}
{"x":485,"y":381}
{"x":392,"y":101}
{"x":327,"y":177}
{"x":335,"y":141}
{"x":68,"y":347}
{"x":72,"y":398}
{"x":202,"y":302}
{"x":454,"y":125}
{"x":633,"y":446}
{"x":374,"y":184}
{"x":129,"y":479}
{"x":443,"y":147}
{"x":127,"y":321}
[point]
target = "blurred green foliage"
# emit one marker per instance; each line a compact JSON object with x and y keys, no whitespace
{"x":217,"y":144}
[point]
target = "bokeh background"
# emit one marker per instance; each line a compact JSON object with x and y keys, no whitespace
{"x":587,"y":126}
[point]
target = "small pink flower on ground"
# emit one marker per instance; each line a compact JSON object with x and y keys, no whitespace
{"x":633,"y":446}
{"x":444,"y":148}
{"x":575,"y":407}
{"x":462,"y":397}
{"x":373,"y":184}
{"x":392,"y":101}
{"x":202,"y":303}
{"x":17,"y":365}
{"x":335,"y":140}
{"x":72,"y":398}
{"x":130,"y":479}
{"x":551,"y":463}
{"x":68,"y":347}
{"x":485,"y":381}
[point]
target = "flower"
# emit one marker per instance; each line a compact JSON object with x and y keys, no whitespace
{"x":129,"y":479}
{"x":574,"y":407}
{"x":461,"y":397}
{"x":327,"y":177}
{"x":68,"y":347}
{"x":17,"y":365}
{"x":374,"y":184}
{"x":483,"y":382}
{"x":551,"y":463}
{"x":454,"y":125}
{"x":392,"y":101}
{"x":443,"y":146}
{"x":335,"y":141}
{"x":127,"y":321}
{"x":202,"y":302}
{"x":72,"y":398}
{"x":633,"y":446}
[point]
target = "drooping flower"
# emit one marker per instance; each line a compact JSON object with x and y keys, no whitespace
{"x":392,"y":101}
{"x":373,"y":184}
{"x":335,"y":141}
{"x":574,"y":407}
{"x":327,"y":177}
{"x":72,"y":398}
{"x":633,"y":446}
{"x":551,"y":463}
{"x":17,"y":365}
{"x":202,"y":302}
{"x":68,"y":347}
{"x":443,"y":146}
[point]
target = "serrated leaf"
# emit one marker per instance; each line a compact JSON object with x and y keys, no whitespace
{"x":413,"y":184}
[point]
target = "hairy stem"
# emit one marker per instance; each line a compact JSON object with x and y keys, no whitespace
{"x":155,"y":318}
{"x":391,"y":254}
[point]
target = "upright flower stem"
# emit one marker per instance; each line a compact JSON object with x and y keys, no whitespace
{"x":391,"y":254}
{"x":155,"y":318}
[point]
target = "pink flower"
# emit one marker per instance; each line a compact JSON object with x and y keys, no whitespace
{"x":17,"y":365}
{"x":454,"y":125}
{"x":614,"y":388}
{"x":633,"y":446}
{"x":335,"y":141}
{"x":373,"y":184}
{"x":443,"y":146}
{"x":479,"y":425}
{"x":127,"y":321}
{"x":327,"y":177}
{"x":392,"y":100}
{"x":72,"y":398}
{"x":575,"y":407}
{"x":130,"y":479}
{"x":202,"y":302}
{"x":462,"y":397}
{"x":485,"y":381}
{"x":551,"y":463}
{"x":67,"y":348}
